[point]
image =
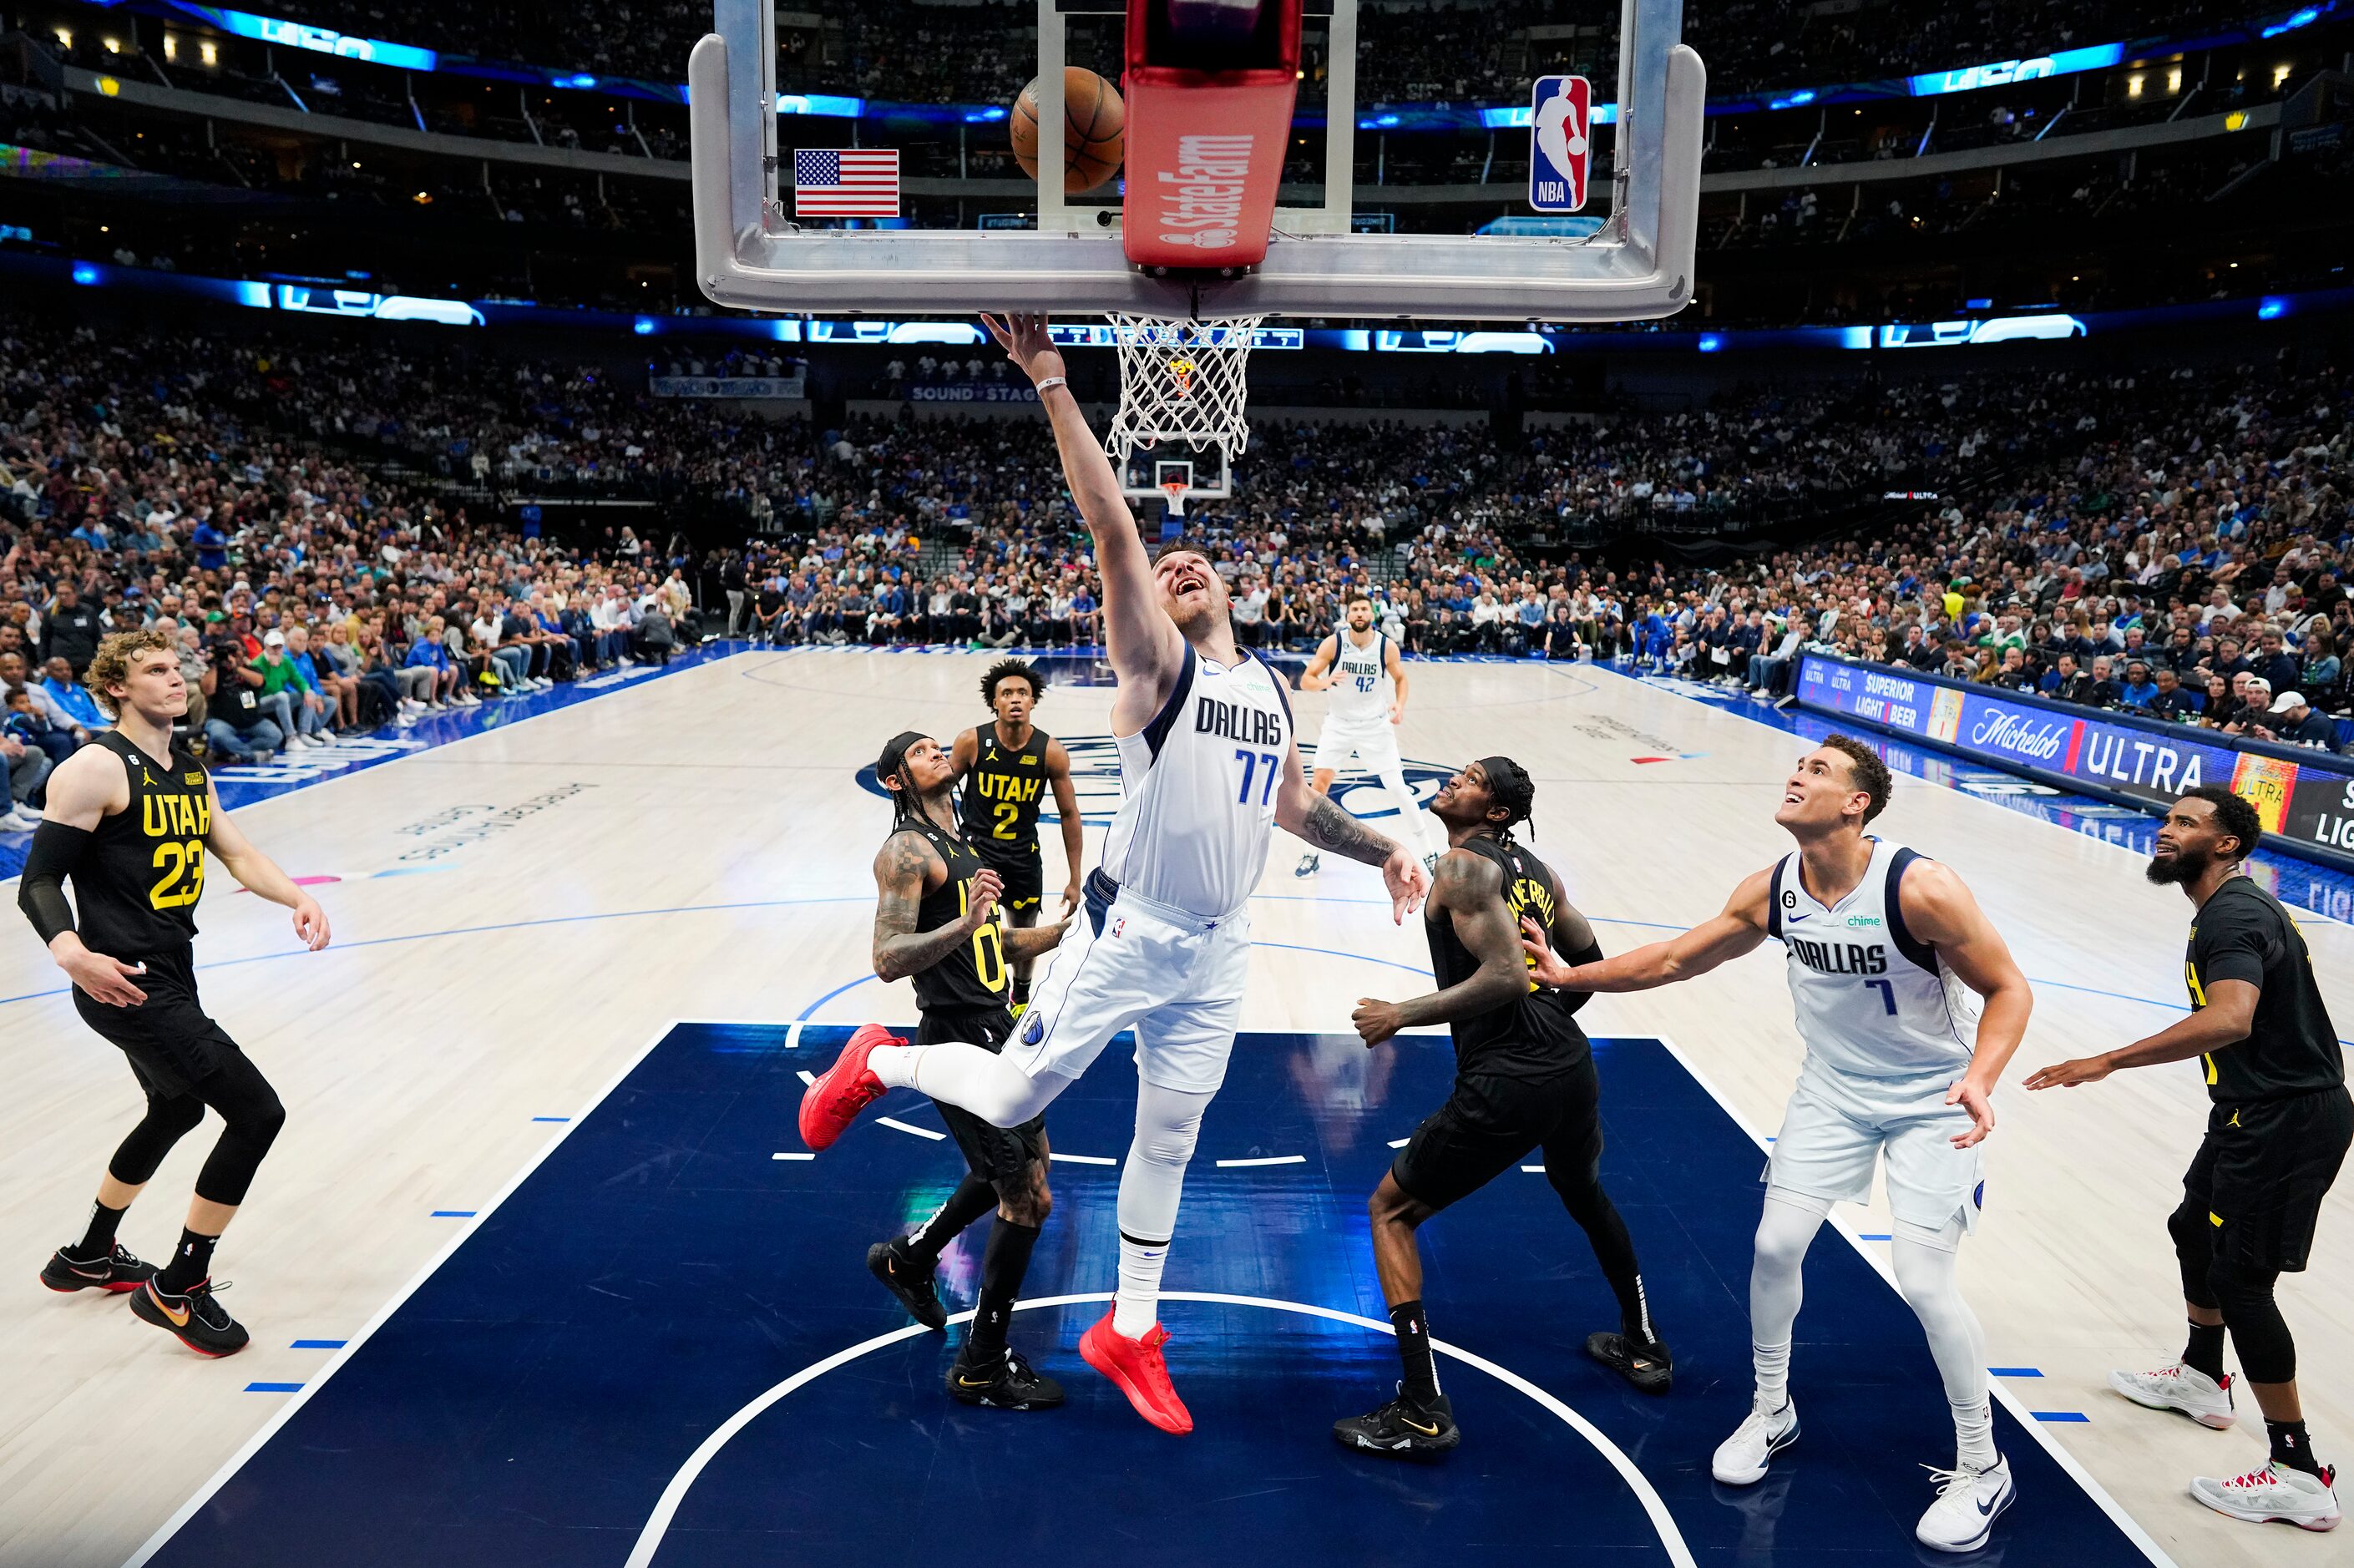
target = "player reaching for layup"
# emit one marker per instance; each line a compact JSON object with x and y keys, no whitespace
{"x":130,"y":817}
{"x":1360,"y":667}
{"x":937,"y":920}
{"x":1881,"y":945}
{"x":1208,"y":766}
{"x":1006,"y":766}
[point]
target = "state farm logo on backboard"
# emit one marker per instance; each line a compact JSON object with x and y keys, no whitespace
{"x":1561,"y":142}
{"x":1201,"y":197}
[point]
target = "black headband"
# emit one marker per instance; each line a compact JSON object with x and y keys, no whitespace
{"x":895,"y":755}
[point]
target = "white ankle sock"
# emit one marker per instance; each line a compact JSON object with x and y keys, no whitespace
{"x":1974,"y":1436}
{"x":896,"y":1064}
{"x":1137,"y":1307}
{"x":1773,"y":1365}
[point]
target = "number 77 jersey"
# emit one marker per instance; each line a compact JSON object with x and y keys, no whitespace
{"x":1197,"y":788}
{"x":1872,"y":999}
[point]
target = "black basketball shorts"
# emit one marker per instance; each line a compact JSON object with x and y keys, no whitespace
{"x":1489,"y":1125}
{"x":2261,"y":1172}
{"x":1025,"y":885}
{"x":995,"y":1154}
{"x":170,"y":1041}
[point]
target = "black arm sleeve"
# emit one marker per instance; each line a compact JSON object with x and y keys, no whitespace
{"x":41,"y":894}
{"x":1589,"y":954}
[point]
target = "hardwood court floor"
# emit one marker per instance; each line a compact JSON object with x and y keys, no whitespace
{"x":696,"y":846}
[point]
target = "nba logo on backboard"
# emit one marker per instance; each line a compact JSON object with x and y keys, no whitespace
{"x":1559,"y":143}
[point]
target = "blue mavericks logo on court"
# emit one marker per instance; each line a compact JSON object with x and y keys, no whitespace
{"x":1095,"y":776}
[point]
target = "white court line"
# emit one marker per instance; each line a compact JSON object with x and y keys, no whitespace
{"x":658,"y":1524}
{"x":807,"y":1076}
{"x":220,"y":1478}
{"x":895,"y":1125}
{"x":1269,"y":1159}
{"x":2125,"y":1523}
{"x":1534,"y":1169}
{"x":1399,"y":1143}
{"x":1080,"y":1158}
{"x":790,"y":1156}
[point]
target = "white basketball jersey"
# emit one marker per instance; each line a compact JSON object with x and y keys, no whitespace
{"x":1197,"y":788}
{"x":1362,"y":692}
{"x":1872,"y":1000}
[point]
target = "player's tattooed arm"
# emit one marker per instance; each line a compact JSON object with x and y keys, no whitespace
{"x":902,"y":869}
{"x":1033,"y":941}
{"x":1328,"y":827}
{"x":1469,"y":889}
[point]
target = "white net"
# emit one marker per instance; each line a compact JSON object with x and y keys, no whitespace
{"x":1181,"y":382}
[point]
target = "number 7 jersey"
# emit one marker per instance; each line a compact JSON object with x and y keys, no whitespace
{"x":1197,"y":788}
{"x":1872,"y":999}
{"x":135,"y":892}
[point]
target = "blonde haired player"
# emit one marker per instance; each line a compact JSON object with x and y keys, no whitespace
{"x":1207,"y":770}
{"x":1360,"y":667}
{"x":1885,"y":948}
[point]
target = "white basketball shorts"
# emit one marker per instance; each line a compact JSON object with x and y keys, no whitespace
{"x":1838,"y":1123}
{"x":1132,"y":961}
{"x":1373,"y":745}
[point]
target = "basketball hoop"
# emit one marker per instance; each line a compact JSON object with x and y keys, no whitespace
{"x":1175,"y":489}
{"x":1183,"y":382}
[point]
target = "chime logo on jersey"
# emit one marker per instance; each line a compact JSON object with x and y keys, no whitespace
{"x":1095,"y":776}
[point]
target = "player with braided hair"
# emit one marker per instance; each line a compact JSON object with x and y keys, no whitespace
{"x":1524,"y":1080}
{"x":1006,"y":766}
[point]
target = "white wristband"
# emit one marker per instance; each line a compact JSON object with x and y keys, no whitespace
{"x":1054,"y":381}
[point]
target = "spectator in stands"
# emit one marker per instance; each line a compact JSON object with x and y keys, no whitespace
{"x":428,"y":652}
{"x":69,"y":697}
{"x":2253,"y":710}
{"x":298,"y":711}
{"x":2172,"y":699}
{"x":2321,"y":674}
{"x":236,"y":726}
{"x":2292,"y":720}
{"x":71,"y":630}
{"x":2139,"y":690}
{"x":23,"y":760}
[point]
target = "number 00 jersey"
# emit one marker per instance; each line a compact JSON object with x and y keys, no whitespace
{"x":999,"y":807}
{"x":1533,"y":1035}
{"x":1197,"y":788}
{"x":975,"y":974}
{"x":136,"y":890}
{"x":1872,"y":1000}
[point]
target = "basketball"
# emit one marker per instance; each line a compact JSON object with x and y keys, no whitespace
{"x":1094,"y":123}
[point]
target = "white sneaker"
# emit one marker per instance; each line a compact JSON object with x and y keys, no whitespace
{"x":1308,"y":864}
{"x":2182,"y":1388}
{"x":1742,"y":1458}
{"x":1968,"y":1502}
{"x":10,"y":823}
{"x":30,"y":813}
{"x":2270,"y":1494}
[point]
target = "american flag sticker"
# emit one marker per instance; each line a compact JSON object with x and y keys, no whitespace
{"x":846,"y":184}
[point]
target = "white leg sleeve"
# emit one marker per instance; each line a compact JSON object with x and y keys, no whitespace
{"x":1413,"y":832}
{"x":980,"y":1081}
{"x":1168,"y":1122}
{"x":1785,"y":1230}
{"x":1925,"y":1273}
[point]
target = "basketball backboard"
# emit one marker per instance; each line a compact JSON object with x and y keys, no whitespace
{"x":751,"y":253}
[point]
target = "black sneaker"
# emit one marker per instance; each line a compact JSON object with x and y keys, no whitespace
{"x":1009,"y":1384}
{"x":913,"y":1290}
{"x":1403,"y":1428}
{"x":199,"y":1321}
{"x":117,"y":1272}
{"x":1646,"y":1365}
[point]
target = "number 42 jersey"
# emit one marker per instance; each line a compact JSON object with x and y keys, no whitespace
{"x":1197,"y":788}
{"x":135,"y":892}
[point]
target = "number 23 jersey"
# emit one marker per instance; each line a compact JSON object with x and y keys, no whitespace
{"x":136,"y":890}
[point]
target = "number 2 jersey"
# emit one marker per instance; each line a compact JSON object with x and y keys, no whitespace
{"x":1197,"y":788}
{"x":975,"y":974}
{"x":1872,"y":1000}
{"x":136,"y":891}
{"x":999,"y":810}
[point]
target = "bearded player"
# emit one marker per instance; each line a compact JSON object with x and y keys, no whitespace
{"x":1361,"y":667}
{"x":1209,"y":766}
{"x":1885,"y":950}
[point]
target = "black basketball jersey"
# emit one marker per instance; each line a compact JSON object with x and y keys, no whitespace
{"x":1000,"y":806}
{"x":974,"y":975}
{"x":135,"y":892}
{"x":1534,"y":1035}
{"x":2242,"y":933}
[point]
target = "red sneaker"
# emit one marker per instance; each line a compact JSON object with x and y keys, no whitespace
{"x":836,"y":1095}
{"x":1137,"y":1367}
